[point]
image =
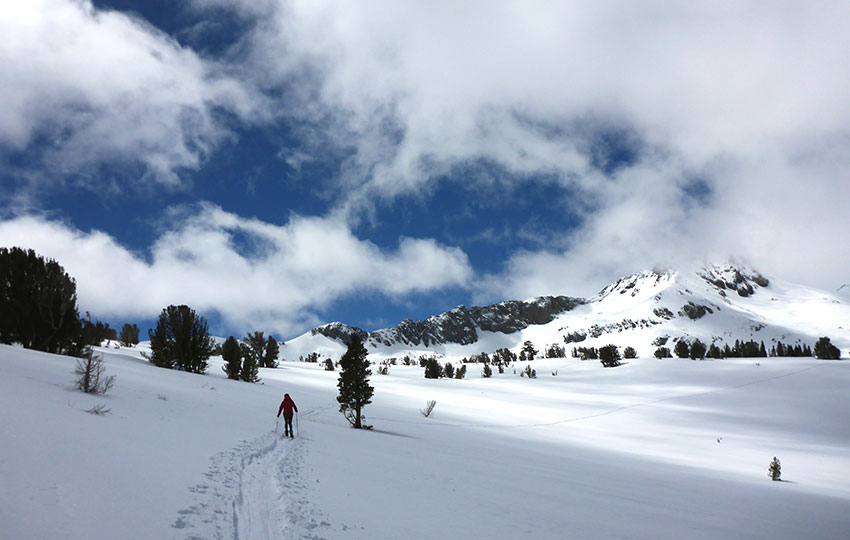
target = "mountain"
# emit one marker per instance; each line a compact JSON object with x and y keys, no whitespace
{"x":716,"y":303}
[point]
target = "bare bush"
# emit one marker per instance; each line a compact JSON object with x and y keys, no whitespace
{"x":100,"y":409}
{"x":91,"y":374}
{"x":429,"y":407}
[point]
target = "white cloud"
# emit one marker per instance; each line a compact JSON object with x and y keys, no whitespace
{"x":748,"y":97}
{"x":86,"y":87}
{"x":256,"y":275}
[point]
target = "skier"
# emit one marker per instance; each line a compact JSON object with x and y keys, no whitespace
{"x":286,"y":407}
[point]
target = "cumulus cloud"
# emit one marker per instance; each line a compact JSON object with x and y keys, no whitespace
{"x":735,"y":112}
{"x":88,"y":88}
{"x":254,"y":274}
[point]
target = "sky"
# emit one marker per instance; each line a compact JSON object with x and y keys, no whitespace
{"x":279,"y":164}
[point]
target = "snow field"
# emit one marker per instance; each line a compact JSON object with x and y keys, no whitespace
{"x":628,"y":452}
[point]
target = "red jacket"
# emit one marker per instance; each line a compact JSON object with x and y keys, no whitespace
{"x":287,"y":406}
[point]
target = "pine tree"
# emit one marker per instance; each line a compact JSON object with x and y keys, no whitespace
{"x":629,"y":352}
{"x":775,"y":470}
{"x":272,"y":352}
{"x":449,"y":370}
{"x":38,"y":304}
{"x":528,"y":351}
{"x":487,"y":372}
{"x":129,"y":335}
{"x":662,"y":352}
{"x":354,"y":390}
{"x":609,"y":355}
{"x":181,"y":340}
{"x":257,"y":342}
{"x":825,"y":350}
{"x":433,"y":370}
{"x":231,"y":353}
{"x":250,"y":364}
{"x":697,"y":350}
{"x":681,"y":349}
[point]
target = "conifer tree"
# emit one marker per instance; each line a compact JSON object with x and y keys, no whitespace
{"x":609,"y":355}
{"x":231,"y":353}
{"x":257,"y":343}
{"x":629,"y":352}
{"x":697,"y":350}
{"x":528,"y":351}
{"x":272,"y":352}
{"x":433,"y":370}
{"x":487,"y":371}
{"x":354,"y":389}
{"x":38,"y":304}
{"x":129,"y":335}
{"x":681,"y":349}
{"x":181,"y":340}
{"x":449,"y":370}
{"x":250,"y":364}
{"x":825,"y":350}
{"x":775,"y":470}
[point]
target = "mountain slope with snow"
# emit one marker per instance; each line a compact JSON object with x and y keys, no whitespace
{"x":716,"y":304}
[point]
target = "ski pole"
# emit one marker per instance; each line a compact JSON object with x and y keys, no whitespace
{"x":297,"y":427}
{"x":275,"y":424}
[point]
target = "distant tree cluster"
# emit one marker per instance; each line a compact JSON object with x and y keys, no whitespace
{"x":312,"y":358}
{"x":825,"y":350}
{"x":96,"y":332}
{"x":585,"y":353}
{"x":554,"y":351}
{"x":740,"y":349}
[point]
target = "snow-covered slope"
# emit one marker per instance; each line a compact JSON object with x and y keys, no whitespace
{"x":716,"y":304}
{"x":652,"y":449}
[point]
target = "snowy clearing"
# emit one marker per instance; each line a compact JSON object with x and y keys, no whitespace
{"x":651,"y":449}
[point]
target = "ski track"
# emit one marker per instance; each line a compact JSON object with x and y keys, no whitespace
{"x":254,"y":491}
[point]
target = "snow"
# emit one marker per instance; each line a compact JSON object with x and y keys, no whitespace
{"x":651,"y":449}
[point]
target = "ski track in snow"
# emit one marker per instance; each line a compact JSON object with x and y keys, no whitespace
{"x":254,"y":491}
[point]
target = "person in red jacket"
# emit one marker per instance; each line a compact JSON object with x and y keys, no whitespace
{"x":286,"y":407}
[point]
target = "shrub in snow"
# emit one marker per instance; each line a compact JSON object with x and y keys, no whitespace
{"x":825,"y":350}
{"x":555,"y":351}
{"x":681,"y":349}
{"x":181,"y":340}
{"x":231,"y":353}
{"x":609,"y":355}
{"x":38,"y":304}
{"x":91,"y":374}
{"x":528,"y":351}
{"x":449,"y":370}
{"x":629,"y":352}
{"x":354,"y":390}
{"x":528,"y":372}
{"x":461,"y":372}
{"x":129,"y":335}
{"x":429,"y":407}
{"x":433,"y":370}
{"x":100,"y":409}
{"x":487,"y":372}
{"x":775,"y":469}
{"x":503,"y":358}
{"x":697,"y":350}
{"x":662,"y":352}
{"x":329,"y":364}
{"x":383,"y":369}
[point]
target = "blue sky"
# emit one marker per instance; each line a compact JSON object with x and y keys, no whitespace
{"x":278,"y":164}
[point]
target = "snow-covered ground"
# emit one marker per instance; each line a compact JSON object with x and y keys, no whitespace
{"x":652,"y":449}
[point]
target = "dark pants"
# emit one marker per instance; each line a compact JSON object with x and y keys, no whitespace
{"x":287,"y":424}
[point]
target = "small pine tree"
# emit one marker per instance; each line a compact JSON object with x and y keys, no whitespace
{"x":825,"y":350}
{"x":662,"y":352}
{"x":530,"y":373}
{"x":449,"y":370}
{"x":329,"y":364}
{"x":129,"y":335}
{"x":697,"y":350}
{"x":231,"y":353}
{"x":461,"y":372}
{"x":354,"y":390}
{"x":629,"y":352}
{"x":528,"y":351}
{"x":609,"y":355}
{"x":487,"y":372}
{"x":775,"y":470}
{"x":433,"y":370}
{"x":681,"y":349}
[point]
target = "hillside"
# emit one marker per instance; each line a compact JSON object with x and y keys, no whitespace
{"x":652,"y":449}
{"x":716,"y":304}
